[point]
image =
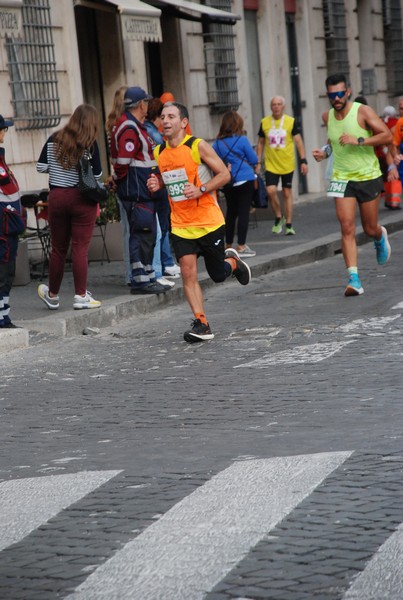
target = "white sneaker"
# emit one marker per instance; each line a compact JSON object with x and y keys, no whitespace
{"x":165,"y":282}
{"x":51,"y":302}
{"x":246,"y":252}
{"x":173,"y":272}
{"x":86,"y":301}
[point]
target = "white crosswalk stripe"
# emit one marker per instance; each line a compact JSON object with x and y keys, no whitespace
{"x":382,"y":579}
{"x":194,"y":546}
{"x":311,"y":353}
{"x":28,"y":503}
{"x":196,"y":543}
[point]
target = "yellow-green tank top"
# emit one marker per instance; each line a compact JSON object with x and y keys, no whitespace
{"x":351,"y":163}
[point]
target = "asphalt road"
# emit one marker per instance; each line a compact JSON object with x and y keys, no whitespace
{"x":266,"y":463}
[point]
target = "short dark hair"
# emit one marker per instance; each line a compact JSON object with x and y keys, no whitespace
{"x":183,"y":111}
{"x":335,"y":79}
{"x":154,"y":108}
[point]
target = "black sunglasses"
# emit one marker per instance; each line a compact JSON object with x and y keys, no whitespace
{"x":334,"y":95}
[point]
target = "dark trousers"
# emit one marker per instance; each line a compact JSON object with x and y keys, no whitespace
{"x":142,"y":224}
{"x":7,"y":273}
{"x":11,"y":225}
{"x":239,"y":201}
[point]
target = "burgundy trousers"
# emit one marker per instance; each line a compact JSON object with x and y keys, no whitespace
{"x":71,"y":219}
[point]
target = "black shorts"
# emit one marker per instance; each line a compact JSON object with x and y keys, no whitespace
{"x":210,"y":246}
{"x":274,"y":178}
{"x":364,"y":191}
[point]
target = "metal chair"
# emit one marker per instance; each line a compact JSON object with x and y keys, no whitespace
{"x":38,"y":202}
{"x":100,"y":231}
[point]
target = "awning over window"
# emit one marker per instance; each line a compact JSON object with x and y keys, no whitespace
{"x":140,"y":21}
{"x":185,"y":9}
{"x":135,"y":7}
{"x":10,"y":3}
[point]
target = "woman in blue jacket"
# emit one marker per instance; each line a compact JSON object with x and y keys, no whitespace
{"x":236,"y":151}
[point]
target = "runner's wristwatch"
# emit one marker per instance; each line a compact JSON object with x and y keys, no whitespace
{"x":203,"y":189}
{"x":360,"y":141}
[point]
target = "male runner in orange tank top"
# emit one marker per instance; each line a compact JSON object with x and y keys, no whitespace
{"x":192,"y":172}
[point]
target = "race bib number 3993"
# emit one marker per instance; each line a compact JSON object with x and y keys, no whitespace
{"x":336,"y":189}
{"x":175,"y":181}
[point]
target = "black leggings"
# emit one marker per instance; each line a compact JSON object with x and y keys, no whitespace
{"x":239,"y":201}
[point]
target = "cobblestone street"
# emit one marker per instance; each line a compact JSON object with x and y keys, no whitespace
{"x":266,"y":463}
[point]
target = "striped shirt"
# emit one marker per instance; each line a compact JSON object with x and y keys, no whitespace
{"x":58,"y":176}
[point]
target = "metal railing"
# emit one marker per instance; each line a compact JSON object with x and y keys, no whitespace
{"x":32,"y":69}
{"x":219,"y":53}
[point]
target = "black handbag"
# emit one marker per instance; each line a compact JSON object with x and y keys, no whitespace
{"x":260,"y":199}
{"x":87,"y":183}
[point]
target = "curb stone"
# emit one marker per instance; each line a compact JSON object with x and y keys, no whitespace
{"x":70,"y":323}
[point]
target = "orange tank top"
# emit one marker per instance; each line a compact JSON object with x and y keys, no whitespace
{"x":178,"y":166}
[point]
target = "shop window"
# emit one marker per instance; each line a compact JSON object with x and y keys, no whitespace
{"x":219,"y":52}
{"x":334,"y":20}
{"x":32,"y":69}
{"x":392,"y":34}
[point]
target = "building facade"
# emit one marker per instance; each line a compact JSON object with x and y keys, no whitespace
{"x":213,"y":55}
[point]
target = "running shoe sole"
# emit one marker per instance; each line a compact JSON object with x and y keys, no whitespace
{"x":193,"y":338}
{"x":232,"y":253}
{"x":352,"y":291}
{"x":42,"y":293}
{"x":385,"y":233}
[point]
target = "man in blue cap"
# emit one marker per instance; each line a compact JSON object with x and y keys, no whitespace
{"x":12,"y":224}
{"x":133,"y":160}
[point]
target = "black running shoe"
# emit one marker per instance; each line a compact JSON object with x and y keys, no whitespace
{"x":242,"y":271}
{"x":151,"y":288}
{"x":199,"y":332}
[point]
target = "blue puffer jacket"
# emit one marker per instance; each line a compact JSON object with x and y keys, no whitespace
{"x":238,"y":152}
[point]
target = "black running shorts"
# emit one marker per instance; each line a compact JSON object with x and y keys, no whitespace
{"x":274,"y":178}
{"x":210,"y":246}
{"x":364,"y":191}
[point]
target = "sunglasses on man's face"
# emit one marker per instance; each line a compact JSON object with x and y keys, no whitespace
{"x":334,"y":95}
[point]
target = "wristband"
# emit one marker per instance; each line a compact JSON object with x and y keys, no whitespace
{"x":390,"y":167}
{"x":303,"y":161}
{"x":327,"y":149}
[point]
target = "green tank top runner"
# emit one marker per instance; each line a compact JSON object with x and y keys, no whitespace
{"x":351,"y":163}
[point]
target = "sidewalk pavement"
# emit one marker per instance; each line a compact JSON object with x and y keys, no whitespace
{"x":317,"y":237}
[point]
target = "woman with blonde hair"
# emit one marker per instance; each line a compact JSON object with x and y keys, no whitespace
{"x":71,"y":215}
{"x":234,"y":148}
{"x":116,"y":111}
